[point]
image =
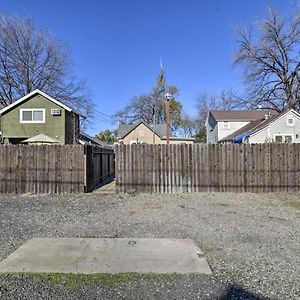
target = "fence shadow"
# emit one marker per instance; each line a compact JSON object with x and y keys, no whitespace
{"x":235,"y":292}
{"x":105,"y":182}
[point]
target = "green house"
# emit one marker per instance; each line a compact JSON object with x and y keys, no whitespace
{"x":38,"y":115}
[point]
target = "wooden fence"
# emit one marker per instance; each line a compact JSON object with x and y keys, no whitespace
{"x":202,"y":168}
{"x":53,"y":169}
{"x":100,"y":166}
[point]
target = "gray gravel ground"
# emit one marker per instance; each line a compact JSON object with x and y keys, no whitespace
{"x":251,"y":242}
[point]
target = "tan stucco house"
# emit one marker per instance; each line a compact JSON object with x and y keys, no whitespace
{"x":143,"y":133}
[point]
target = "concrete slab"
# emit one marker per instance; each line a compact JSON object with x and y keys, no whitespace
{"x":96,"y":255}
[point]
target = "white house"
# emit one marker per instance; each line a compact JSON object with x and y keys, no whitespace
{"x":221,"y":123}
{"x":282,"y":127}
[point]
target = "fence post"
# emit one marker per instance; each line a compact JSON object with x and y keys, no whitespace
{"x":89,"y":169}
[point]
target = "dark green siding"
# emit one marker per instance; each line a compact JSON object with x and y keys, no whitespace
{"x":54,"y":126}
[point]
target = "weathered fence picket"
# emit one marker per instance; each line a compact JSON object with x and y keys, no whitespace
{"x":54,"y":168}
{"x":202,"y":168}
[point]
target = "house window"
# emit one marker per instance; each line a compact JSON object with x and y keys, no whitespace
{"x":288,"y":139}
{"x":290,"y":121}
{"x":32,"y":115}
{"x":225,"y":125}
{"x":284,"y":138}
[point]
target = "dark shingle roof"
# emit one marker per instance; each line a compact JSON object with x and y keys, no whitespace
{"x":124,"y":129}
{"x":250,"y":126}
{"x":92,"y":140}
{"x":273,"y":117}
{"x":253,"y":126}
{"x":242,"y":115}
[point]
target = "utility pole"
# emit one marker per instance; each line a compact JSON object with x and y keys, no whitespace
{"x":167,"y":98}
{"x":153,"y":125}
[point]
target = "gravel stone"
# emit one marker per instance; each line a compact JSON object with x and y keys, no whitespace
{"x":251,"y":242}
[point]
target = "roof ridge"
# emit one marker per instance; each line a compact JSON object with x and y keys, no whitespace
{"x":29,"y":95}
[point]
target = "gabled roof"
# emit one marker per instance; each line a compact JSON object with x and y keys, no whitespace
{"x":28,"y":96}
{"x":257,"y":125}
{"x":247,"y":128}
{"x":124,"y":129}
{"x":159,"y":129}
{"x":274,"y":118}
{"x":239,"y":115}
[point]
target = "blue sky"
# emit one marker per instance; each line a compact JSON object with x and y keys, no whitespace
{"x":116,"y":45}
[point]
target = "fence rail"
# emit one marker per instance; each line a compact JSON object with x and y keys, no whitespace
{"x":53,"y":169}
{"x":202,"y":168}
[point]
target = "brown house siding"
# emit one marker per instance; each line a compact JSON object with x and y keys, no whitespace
{"x":72,"y":128}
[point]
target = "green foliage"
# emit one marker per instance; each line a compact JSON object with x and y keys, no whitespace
{"x":189,"y":126}
{"x":71,"y":282}
{"x":175,"y":112}
{"x":75,"y":281}
{"x":107,"y":136}
{"x":200,"y":137}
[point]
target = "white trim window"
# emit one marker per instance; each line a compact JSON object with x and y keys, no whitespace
{"x":32,"y":115}
{"x":290,"y":120}
{"x":283,"y":138}
{"x":226,"y":125}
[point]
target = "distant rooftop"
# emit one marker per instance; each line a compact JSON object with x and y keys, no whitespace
{"x":243,"y":115}
{"x":254,"y":126}
{"x":91,"y":140}
{"x":159,"y":129}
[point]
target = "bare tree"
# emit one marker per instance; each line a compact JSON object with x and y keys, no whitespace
{"x":208,"y":101}
{"x":146,"y":107}
{"x":189,"y":126}
{"x":205,"y":101}
{"x":32,"y":59}
{"x":269,"y":53}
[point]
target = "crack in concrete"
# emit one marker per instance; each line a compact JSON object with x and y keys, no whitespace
{"x":80,"y":256}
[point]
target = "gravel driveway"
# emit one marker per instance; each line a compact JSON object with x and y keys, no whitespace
{"x":251,"y":242}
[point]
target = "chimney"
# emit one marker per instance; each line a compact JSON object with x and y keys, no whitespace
{"x":268,"y":115}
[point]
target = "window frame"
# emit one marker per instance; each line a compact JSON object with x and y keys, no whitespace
{"x":228,"y":126}
{"x":283,"y":137}
{"x":32,"y":110}
{"x":290,"y":117}
{"x":288,"y":135}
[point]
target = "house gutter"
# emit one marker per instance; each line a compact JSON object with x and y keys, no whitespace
{"x":241,"y":138}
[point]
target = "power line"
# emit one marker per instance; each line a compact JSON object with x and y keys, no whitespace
{"x":105,"y":121}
